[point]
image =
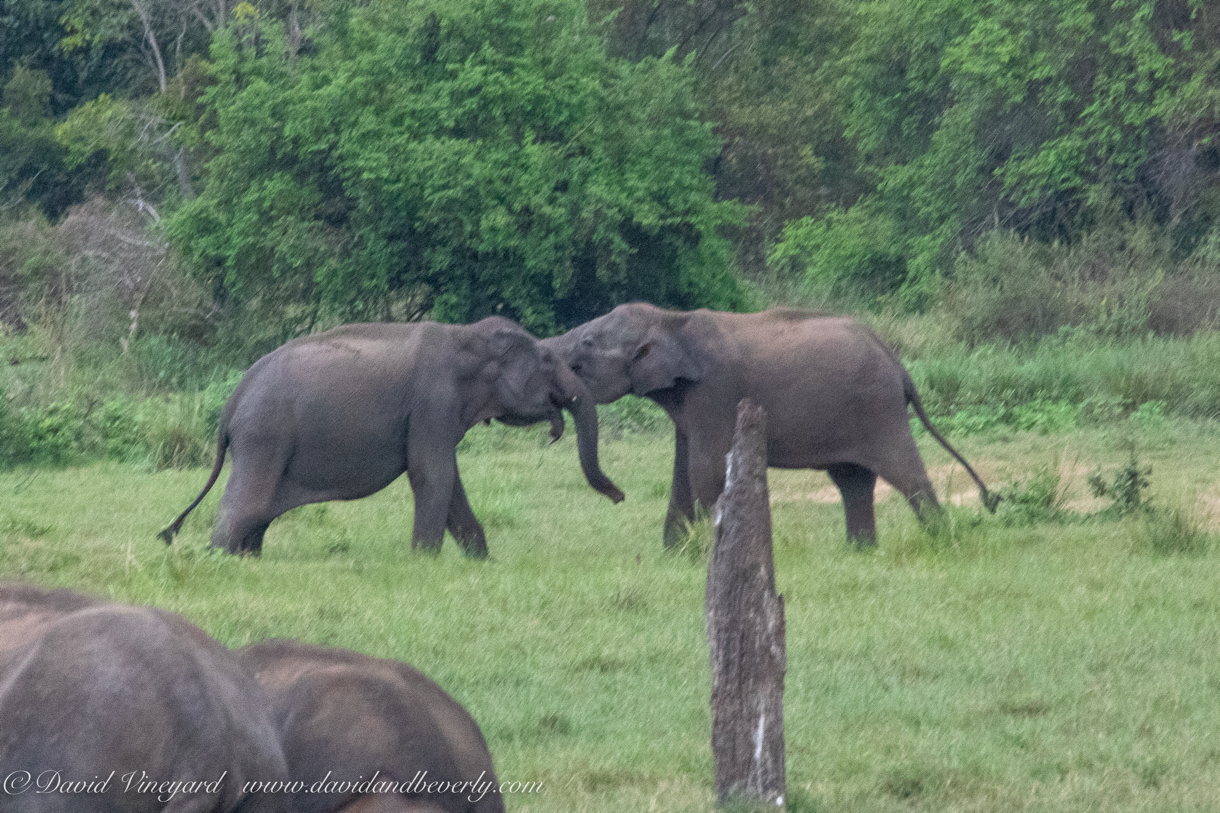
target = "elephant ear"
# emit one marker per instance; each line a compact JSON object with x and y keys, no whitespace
{"x":659,"y":361}
{"x":517,"y":357}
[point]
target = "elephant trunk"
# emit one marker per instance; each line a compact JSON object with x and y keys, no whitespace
{"x":584,"y":414}
{"x":556,"y":426}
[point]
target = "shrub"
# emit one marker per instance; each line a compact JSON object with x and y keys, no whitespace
{"x":1038,"y":499}
{"x":632,"y":415}
{"x":1011,"y":289}
{"x":1125,"y":489}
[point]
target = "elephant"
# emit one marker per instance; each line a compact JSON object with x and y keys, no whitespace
{"x":340,"y":415}
{"x":26,"y":610}
{"x":104,"y":707}
{"x":835,"y":398}
{"x":346,"y":717}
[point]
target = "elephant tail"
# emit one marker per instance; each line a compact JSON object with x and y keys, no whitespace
{"x":222,"y":445}
{"x":912,"y":395}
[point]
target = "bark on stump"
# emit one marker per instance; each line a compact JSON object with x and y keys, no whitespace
{"x":745,"y":627}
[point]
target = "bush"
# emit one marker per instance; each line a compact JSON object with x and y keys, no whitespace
{"x":1012,"y":289}
{"x":632,"y":415}
{"x":162,"y":431}
{"x":1038,"y":499}
{"x":53,"y":434}
{"x":1125,"y":489}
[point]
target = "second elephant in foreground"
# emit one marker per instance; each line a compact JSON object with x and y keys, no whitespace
{"x":371,"y":735}
{"x":105,"y":707}
{"x":340,"y":415}
{"x":835,"y":397}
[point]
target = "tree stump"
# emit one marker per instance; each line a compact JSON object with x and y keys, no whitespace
{"x":745,"y":628}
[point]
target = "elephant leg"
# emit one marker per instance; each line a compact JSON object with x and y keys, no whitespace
{"x":433,"y":473}
{"x":239,"y":532}
{"x":248,"y":505}
{"x":681,"y":507}
{"x":707,"y":464}
{"x":463,"y":524}
{"x":856,"y":484}
{"x":903,"y":468}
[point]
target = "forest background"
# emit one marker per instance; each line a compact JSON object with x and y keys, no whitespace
{"x":1023,"y":197}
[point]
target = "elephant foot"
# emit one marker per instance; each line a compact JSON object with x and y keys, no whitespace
{"x":474,"y":548}
{"x":229,"y":537}
{"x":432,"y":547}
{"x":863,"y":541}
{"x":677,"y":531}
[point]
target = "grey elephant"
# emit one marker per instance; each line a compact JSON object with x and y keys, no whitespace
{"x":117,"y":709}
{"x":340,"y":415}
{"x":349,"y":718}
{"x":835,"y":397}
{"x":26,"y":610}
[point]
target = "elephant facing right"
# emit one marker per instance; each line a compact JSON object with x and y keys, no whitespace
{"x":835,"y":395}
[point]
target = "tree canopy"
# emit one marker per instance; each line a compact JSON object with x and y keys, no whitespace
{"x":458,"y":159}
{"x":547,"y":159}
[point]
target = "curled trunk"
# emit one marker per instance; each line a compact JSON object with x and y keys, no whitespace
{"x":584,"y":414}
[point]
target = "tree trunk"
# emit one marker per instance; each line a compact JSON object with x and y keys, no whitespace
{"x":745,"y":628}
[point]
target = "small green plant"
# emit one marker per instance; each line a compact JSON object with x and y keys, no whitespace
{"x":1125,"y":489}
{"x":1038,"y":499}
{"x":972,"y":420}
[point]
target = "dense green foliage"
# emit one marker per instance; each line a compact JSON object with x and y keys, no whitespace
{"x":458,"y":160}
{"x":184,"y":185}
{"x":1022,"y":196}
{"x":318,"y":161}
{"x":1049,"y":119}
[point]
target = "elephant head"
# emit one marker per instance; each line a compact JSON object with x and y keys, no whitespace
{"x":635,"y":349}
{"x":532,"y":384}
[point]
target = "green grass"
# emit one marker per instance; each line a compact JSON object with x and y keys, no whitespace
{"x":1040,"y":665}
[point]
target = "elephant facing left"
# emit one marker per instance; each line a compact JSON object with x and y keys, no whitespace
{"x":340,"y":415}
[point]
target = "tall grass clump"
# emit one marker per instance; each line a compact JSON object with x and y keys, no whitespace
{"x":1173,"y":529}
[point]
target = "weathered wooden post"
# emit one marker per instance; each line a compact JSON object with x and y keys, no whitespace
{"x":745,"y":627}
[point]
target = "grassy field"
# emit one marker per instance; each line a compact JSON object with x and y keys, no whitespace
{"x":1040,"y":662}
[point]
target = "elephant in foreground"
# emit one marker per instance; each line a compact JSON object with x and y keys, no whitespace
{"x":26,"y":610}
{"x":835,"y":398}
{"x":104,"y":706}
{"x":351,"y":718}
{"x":340,"y":415}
